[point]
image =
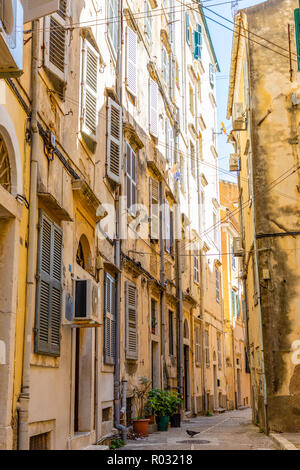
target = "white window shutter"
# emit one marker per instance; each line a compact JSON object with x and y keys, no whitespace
{"x":131,"y":321}
{"x":34,"y":9}
{"x":131,"y":65}
{"x":154,"y":209}
{"x":114,"y":141}
{"x":56,"y":42}
{"x":153,"y":107}
{"x":89,"y":98}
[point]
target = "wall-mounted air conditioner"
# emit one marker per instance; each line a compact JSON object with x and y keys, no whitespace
{"x":238,"y":249}
{"x":11,"y":38}
{"x":87,"y":302}
{"x":234,"y":162}
{"x":239,"y":117}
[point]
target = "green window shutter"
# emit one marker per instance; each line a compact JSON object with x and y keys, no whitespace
{"x":49,"y":288}
{"x":187,"y":29}
{"x":131,"y":321}
{"x":109,"y":320}
{"x":297,"y":30}
{"x":198,"y":42}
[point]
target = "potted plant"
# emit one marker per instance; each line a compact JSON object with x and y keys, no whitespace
{"x":140,"y":393}
{"x":175,"y":405}
{"x":160,"y":402}
{"x":149,"y":413}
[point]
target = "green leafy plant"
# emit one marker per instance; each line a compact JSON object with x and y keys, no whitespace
{"x":175,"y":402}
{"x":160,"y":402}
{"x":208,"y":413}
{"x":140,"y":394}
{"x":116,"y":444}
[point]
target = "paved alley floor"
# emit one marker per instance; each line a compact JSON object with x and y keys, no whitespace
{"x":227,"y":431}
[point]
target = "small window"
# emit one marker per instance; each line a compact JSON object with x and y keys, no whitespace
{"x":109,"y":319}
{"x":106,"y":414}
{"x":40,"y":442}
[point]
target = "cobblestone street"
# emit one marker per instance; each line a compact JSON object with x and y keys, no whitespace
{"x":228,"y":431}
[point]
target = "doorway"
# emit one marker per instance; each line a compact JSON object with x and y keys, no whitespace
{"x":186,"y":379}
{"x":155,"y":364}
{"x":216,"y":397}
{"x":239,"y":398}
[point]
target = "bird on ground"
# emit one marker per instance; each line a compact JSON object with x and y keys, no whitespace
{"x":192,"y":433}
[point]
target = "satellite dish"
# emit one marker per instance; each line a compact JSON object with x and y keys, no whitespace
{"x":7,"y":11}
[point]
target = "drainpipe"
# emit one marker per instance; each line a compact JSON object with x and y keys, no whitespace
{"x":24,"y":398}
{"x":118,"y":248}
{"x":162,"y":281}
{"x":123,"y":409}
{"x":256,"y":259}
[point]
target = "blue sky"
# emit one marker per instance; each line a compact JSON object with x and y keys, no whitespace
{"x":222,"y":40}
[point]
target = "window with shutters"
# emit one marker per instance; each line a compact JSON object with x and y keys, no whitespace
{"x":217,"y":274}
{"x":168,"y":228}
{"x":48,"y":288}
{"x":109,"y":319}
{"x":113,"y":24}
{"x":89,"y":90}
{"x":171,"y":334}
{"x":56,"y":42}
{"x":153,"y":108}
{"x":197,"y":42}
{"x":219,"y":349}
{"x":154,"y":209}
{"x":131,"y":321}
{"x":154,"y":317}
{"x":131,"y":62}
{"x":196,"y":265}
{"x":297,"y":32}
{"x":197,"y":345}
{"x":131,"y":176}
{"x":206,"y":347}
{"x":148,"y":21}
{"x":114,"y":141}
{"x":169,"y":143}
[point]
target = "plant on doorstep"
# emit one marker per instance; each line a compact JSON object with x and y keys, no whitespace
{"x":140,"y":394}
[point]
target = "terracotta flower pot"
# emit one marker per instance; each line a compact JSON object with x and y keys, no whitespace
{"x":140,"y":427}
{"x":151,"y":419}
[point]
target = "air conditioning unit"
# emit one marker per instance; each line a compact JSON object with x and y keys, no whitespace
{"x":239,"y":116}
{"x":87,"y":302}
{"x":234,"y":162}
{"x":238,"y":249}
{"x":11,"y":38}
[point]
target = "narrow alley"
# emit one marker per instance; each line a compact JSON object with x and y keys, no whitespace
{"x":227,"y":431}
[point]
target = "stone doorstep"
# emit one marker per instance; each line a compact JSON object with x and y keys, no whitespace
{"x":219,"y":411}
{"x":282,"y":442}
{"x":95,"y":447}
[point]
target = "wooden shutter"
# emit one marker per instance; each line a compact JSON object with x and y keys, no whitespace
{"x":49,"y":288}
{"x":297,"y":32}
{"x":89,"y":101}
{"x":153,"y":107}
{"x":131,"y":321}
{"x":109,"y":320}
{"x":197,"y":42}
{"x":154,"y":209}
{"x":114,"y":141}
{"x":131,"y":67}
{"x":56,"y":42}
{"x":167,"y":228}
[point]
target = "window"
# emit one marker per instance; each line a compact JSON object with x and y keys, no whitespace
{"x":109,"y":319}
{"x":244,"y":310}
{"x":153,"y":108}
{"x":114,"y":141}
{"x":196,"y":265}
{"x":217,"y":274}
{"x":197,"y":345}
{"x":207,"y":356}
{"x":165,"y":64}
{"x":154,"y":317}
{"x":154,"y":209}
{"x":187,"y":29}
{"x":40,"y":442}
{"x":5,"y":171}
{"x":233,"y":304}
{"x":89,"y":90}
{"x":56,"y":42}
{"x":233,"y":260}
{"x":171,"y":333}
{"x":197,"y":42}
{"x":169,"y":234}
{"x":113,"y":25}
{"x":219,"y":347}
{"x":49,"y":288}
{"x":148,"y":20}
{"x":211,"y":75}
{"x":131,"y":62}
{"x":131,"y":191}
{"x":247,"y":366}
{"x":131,"y":321}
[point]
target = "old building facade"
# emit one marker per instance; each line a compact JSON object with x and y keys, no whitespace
{"x":263,"y":104}
{"x":109,"y":209}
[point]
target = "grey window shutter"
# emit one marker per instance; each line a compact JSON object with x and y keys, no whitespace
{"x":131,"y":322}
{"x":49,"y":288}
{"x":109,"y":320}
{"x":154,"y":209}
{"x":89,"y":96}
{"x":153,"y":107}
{"x":131,"y":65}
{"x":56,"y":42}
{"x":114,"y":141}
